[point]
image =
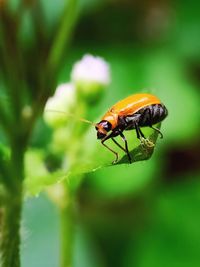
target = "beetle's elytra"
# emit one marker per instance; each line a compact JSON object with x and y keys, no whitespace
{"x":133,"y":112}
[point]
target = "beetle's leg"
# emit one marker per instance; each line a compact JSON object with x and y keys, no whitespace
{"x":124,"y":149}
{"x":116,"y":154}
{"x":137,"y":131}
{"x":141,"y":133}
{"x":126,"y":146}
{"x":118,"y":144}
{"x":157,"y":130}
{"x":143,"y":140}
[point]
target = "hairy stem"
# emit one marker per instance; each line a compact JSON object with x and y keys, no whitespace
{"x":10,"y":232}
{"x":11,"y":210}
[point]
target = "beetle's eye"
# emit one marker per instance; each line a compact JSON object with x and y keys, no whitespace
{"x":103,"y":126}
{"x":107,"y":126}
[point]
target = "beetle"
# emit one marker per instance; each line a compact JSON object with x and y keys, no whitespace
{"x":133,"y":112}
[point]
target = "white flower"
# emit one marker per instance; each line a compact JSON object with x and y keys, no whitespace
{"x":91,"y":69}
{"x":65,"y":90}
{"x":59,"y":105}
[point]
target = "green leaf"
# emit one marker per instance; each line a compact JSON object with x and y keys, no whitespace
{"x":97,"y":156}
{"x":89,"y":157}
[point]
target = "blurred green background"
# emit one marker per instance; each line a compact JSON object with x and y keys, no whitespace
{"x":146,"y":214}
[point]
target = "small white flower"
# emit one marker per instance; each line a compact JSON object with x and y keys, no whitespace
{"x":91,"y":69}
{"x":59,"y":105}
{"x":64,"y":90}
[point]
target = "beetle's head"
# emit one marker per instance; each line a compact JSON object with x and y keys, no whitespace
{"x":103,"y":127}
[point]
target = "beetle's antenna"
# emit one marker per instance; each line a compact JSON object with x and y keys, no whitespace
{"x":71,"y":115}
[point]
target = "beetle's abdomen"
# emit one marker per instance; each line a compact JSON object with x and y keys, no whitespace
{"x":152,"y":114}
{"x":146,"y":116}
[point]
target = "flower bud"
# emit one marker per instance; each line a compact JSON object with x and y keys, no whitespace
{"x":60,"y":140}
{"x":91,"y":75}
{"x":59,"y":105}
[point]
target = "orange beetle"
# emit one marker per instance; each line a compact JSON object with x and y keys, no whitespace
{"x":133,"y":112}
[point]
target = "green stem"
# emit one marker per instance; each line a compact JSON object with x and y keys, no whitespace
{"x":4,"y":173}
{"x":11,"y":210}
{"x":11,"y":58}
{"x":67,"y":226}
{"x":5,"y":122}
{"x":10,"y":231}
{"x":64,"y":34}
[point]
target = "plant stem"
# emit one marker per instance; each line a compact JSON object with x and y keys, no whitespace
{"x":64,"y":33}
{"x":10,"y":231}
{"x":67,"y":230}
{"x":11,"y":210}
